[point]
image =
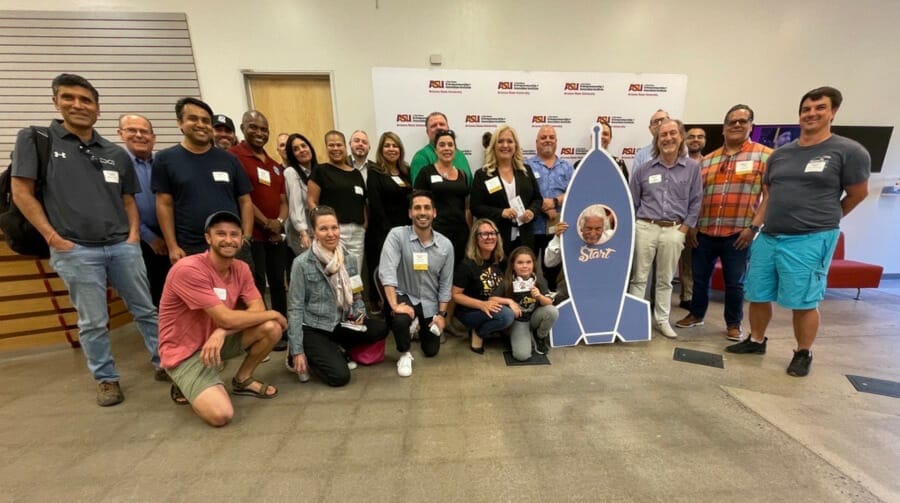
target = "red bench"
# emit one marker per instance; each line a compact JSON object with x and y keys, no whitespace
{"x":842,"y":273}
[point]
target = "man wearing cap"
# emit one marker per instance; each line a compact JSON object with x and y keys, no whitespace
{"x":436,"y":121}
{"x":192,"y":179}
{"x":270,"y":210}
{"x":223,"y":132}
{"x":200,"y":327}
{"x":90,"y":221}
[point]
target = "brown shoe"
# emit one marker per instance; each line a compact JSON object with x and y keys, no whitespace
{"x":109,"y":393}
{"x":734,"y":333}
{"x":689,"y":321}
{"x":161,"y":375}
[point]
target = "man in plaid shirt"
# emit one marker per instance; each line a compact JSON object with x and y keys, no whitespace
{"x":732,"y":187}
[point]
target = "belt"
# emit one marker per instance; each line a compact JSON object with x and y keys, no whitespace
{"x":662,"y":223}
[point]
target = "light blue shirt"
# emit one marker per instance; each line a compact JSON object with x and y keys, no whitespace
{"x":667,"y":193}
{"x":426,"y":287}
{"x":552,"y":182}
{"x":642,"y":156}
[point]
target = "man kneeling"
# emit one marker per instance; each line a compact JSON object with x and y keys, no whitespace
{"x":199,"y":326}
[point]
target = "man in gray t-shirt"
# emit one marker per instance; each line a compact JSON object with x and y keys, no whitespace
{"x":809,"y":185}
{"x":90,"y":221}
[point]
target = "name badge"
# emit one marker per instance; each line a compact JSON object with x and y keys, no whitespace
{"x":815,"y":166}
{"x":221,"y":293}
{"x":436,"y":179}
{"x":220,"y":176}
{"x":536,"y":175}
{"x":493,"y":184}
{"x":743,"y":167}
{"x":654,"y":179}
{"x":399,"y":181}
{"x":359,"y":190}
{"x":264,"y":176}
{"x":111,"y":176}
{"x":522,"y":285}
{"x":356,"y":283}
{"x":420,"y":261}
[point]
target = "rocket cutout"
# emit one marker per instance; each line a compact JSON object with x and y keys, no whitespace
{"x":597,"y":251}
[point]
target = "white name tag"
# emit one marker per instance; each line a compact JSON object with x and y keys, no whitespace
{"x":420,"y":261}
{"x":264,"y":176}
{"x":221,"y":293}
{"x":111,"y":176}
{"x":536,"y":175}
{"x":743,"y":168}
{"x":399,"y":181}
{"x":493,"y":184}
{"x":654,"y":179}
{"x":815,"y":166}
{"x":436,"y":179}
{"x":356,"y":283}
{"x":522,"y":285}
{"x":220,"y":176}
{"x":359,"y":190}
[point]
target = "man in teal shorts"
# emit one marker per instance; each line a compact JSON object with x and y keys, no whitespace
{"x":809,"y":185}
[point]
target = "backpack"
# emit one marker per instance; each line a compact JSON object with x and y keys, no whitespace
{"x":21,"y":236}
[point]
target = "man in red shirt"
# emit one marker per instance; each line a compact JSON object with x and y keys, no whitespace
{"x":270,"y":209}
{"x":199,"y":326}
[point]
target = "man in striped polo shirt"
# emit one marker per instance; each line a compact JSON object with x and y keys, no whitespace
{"x":732,"y":188}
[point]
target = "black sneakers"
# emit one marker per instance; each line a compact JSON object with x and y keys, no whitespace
{"x":800,"y":363}
{"x":542,"y":345}
{"x":748,"y":346}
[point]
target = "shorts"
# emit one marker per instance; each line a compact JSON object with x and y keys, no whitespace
{"x":192,"y":377}
{"x":790,"y":269}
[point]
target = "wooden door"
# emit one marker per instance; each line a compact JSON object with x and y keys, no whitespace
{"x":294,"y":104}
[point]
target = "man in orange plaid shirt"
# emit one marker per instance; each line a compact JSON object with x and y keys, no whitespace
{"x":732,"y":188}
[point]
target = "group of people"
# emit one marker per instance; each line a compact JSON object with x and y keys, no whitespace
{"x":350,"y":249}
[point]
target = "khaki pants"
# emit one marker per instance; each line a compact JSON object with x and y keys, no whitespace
{"x":664,"y":244}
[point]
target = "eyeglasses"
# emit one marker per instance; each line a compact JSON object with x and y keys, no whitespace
{"x":486,"y":235}
{"x":94,"y":159}
{"x":131,"y":131}
{"x":737,"y":122}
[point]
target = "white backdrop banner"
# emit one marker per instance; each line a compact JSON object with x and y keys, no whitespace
{"x":476,"y":101}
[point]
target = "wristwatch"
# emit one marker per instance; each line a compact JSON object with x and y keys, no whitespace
{"x":754,"y":228}
{"x":442,"y":314}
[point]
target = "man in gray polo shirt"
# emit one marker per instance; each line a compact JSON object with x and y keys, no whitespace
{"x":91,"y":223}
{"x":416,"y":269}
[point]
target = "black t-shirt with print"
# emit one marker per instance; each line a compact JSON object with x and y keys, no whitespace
{"x":478,"y":281}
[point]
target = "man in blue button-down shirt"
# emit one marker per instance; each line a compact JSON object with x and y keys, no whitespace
{"x":553,"y":175}
{"x":136,"y":133}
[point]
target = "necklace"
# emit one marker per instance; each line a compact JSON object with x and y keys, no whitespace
{"x":446,"y":175}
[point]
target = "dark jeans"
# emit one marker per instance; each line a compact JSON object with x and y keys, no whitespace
{"x":400,"y":323}
{"x":323,"y":349}
{"x":550,"y":273}
{"x":484,"y":325}
{"x":734,"y":268}
{"x":157,"y":268}
{"x":269,"y":259}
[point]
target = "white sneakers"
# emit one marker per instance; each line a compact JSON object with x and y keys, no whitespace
{"x":304,"y":377}
{"x":404,"y":364}
{"x":666,"y":330}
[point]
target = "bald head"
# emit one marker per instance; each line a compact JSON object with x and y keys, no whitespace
{"x":545,"y":143}
{"x":255,"y":127}
{"x":136,"y":133}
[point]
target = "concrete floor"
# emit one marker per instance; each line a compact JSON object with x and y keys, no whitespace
{"x":602,"y":423}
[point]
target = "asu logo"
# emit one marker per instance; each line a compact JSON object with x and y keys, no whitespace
{"x":629,"y":151}
{"x":435,"y":84}
{"x":473,"y":119}
{"x":504,"y":85}
{"x":603,"y":118}
{"x":635,"y":87}
{"x":571,"y":86}
{"x":404,"y":118}
{"x":538,"y":119}
{"x":567,"y":151}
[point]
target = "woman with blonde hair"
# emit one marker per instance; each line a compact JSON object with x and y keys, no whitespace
{"x":506,"y":191}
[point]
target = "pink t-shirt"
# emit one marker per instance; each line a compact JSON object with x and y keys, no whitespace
{"x":192,"y":286}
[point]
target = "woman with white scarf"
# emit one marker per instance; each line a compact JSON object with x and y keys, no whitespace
{"x":326,"y":313}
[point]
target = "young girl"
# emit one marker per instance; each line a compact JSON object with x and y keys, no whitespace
{"x":538,"y":314}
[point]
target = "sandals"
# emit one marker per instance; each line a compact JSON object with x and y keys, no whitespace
{"x":243,"y":388}
{"x":177,"y":396}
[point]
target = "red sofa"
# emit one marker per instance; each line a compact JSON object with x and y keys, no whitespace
{"x":843,"y":273}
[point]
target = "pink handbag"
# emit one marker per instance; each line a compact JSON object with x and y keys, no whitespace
{"x":368,"y":354}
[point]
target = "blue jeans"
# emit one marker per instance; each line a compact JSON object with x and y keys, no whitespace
{"x":85,"y":270}
{"x":475,"y":318}
{"x":734,"y":267}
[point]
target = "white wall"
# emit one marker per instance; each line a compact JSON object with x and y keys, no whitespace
{"x":765,"y":53}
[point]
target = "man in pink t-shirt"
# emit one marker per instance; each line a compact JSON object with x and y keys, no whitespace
{"x":199,"y":326}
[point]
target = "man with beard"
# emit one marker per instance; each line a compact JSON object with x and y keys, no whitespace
{"x":223,"y":132}
{"x":417,"y":272}
{"x":270,"y":210}
{"x":695,"y":142}
{"x":359,"y":153}
{"x":200,"y":326}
